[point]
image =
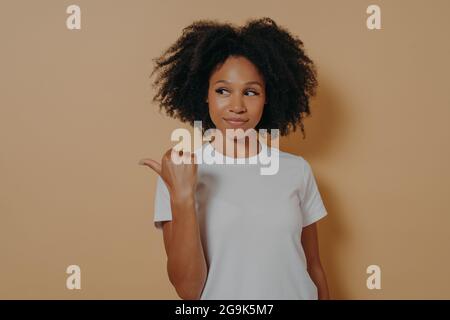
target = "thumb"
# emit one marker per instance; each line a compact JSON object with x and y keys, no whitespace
{"x":152,"y":164}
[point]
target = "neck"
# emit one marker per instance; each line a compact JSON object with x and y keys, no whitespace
{"x":237,"y":148}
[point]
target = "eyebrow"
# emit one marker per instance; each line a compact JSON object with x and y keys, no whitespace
{"x":249,"y":82}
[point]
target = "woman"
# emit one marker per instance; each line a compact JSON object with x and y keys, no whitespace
{"x":230,"y":232}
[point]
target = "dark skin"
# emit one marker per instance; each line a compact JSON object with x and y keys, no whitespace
{"x":236,"y":90}
{"x":310,"y":245}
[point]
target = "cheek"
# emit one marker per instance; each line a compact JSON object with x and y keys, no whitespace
{"x":216,"y":109}
{"x":217,"y":106}
{"x":256,"y":109}
{"x":220,"y":103}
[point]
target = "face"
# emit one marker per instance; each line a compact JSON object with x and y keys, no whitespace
{"x":236,"y":95}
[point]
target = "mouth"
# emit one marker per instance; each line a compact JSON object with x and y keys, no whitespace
{"x":236,"y":122}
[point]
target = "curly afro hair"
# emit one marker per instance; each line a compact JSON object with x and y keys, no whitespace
{"x":185,"y":67}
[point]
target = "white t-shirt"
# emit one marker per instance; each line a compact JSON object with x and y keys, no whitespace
{"x":250,"y":226}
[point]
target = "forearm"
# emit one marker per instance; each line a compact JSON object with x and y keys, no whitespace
{"x":186,"y":264}
{"x":318,"y":276}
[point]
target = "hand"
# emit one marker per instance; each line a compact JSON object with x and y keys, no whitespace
{"x":180,"y":179}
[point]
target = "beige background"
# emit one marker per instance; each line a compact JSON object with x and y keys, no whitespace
{"x":76,"y":116}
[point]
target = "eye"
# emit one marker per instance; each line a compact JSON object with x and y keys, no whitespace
{"x":220,"y":90}
{"x":254,"y":93}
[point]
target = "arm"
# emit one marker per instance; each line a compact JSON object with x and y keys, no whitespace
{"x":310,"y":245}
{"x":186,"y":264}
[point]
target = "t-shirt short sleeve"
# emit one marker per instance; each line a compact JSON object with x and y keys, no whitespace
{"x":162,"y":210}
{"x":311,"y":203}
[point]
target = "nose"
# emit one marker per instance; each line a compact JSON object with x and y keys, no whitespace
{"x":237,"y":105}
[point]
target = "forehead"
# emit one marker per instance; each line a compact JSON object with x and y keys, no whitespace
{"x":237,"y":69}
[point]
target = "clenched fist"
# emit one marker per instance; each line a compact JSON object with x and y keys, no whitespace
{"x":178,"y":169}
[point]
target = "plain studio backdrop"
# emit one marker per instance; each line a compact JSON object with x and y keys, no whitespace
{"x":76,"y":117}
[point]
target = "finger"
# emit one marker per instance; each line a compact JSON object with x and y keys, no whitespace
{"x":188,"y":158}
{"x":152,"y":164}
{"x":177,"y":156}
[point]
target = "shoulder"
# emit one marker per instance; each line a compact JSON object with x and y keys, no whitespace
{"x":294,"y":167}
{"x":291,"y":159}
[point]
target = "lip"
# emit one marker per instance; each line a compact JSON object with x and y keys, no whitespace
{"x":235,"y":121}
